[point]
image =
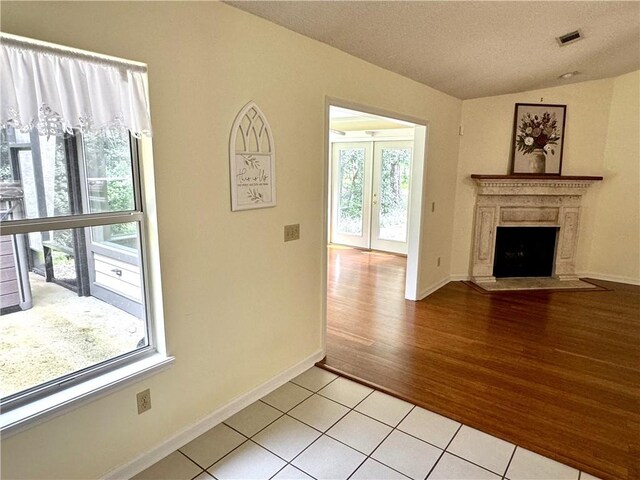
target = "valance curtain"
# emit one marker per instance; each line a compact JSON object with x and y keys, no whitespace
{"x":57,"y":90}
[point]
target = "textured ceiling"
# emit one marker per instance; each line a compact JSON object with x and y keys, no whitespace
{"x":472,"y":49}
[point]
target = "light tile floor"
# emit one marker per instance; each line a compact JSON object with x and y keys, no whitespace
{"x":323,"y":426}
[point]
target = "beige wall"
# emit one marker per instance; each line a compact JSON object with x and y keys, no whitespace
{"x":240,"y":305}
{"x":615,"y":245}
{"x":601,"y":138}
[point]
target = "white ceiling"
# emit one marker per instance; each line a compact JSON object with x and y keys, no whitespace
{"x":472,"y":49}
{"x":351,"y":120}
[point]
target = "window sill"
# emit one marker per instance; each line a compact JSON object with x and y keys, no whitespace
{"x":27,"y":416}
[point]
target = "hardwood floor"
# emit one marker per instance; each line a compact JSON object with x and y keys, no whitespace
{"x":555,"y":372}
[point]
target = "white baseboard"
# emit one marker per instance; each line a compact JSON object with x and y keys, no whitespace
{"x":160,"y":451}
{"x":609,"y":278}
{"x":459,"y":277}
{"x":433,"y":287}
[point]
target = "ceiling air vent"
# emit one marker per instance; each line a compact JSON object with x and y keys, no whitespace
{"x":570,"y":37}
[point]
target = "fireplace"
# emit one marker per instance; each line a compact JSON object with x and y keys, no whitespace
{"x":524,"y":251}
{"x":540,"y":213}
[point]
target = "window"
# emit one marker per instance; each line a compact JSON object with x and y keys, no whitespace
{"x":75,"y":298}
{"x":72,"y":280}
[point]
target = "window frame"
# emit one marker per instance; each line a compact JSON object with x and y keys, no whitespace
{"x":149,"y":357}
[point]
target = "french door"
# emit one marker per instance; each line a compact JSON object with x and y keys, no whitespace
{"x":370,"y":194}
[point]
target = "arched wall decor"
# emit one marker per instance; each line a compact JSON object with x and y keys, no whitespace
{"x":252,"y":161}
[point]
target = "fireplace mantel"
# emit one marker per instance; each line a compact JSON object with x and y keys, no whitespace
{"x":527,"y":201}
{"x":528,"y":176}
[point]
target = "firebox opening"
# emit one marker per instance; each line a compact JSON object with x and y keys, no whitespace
{"x":524,"y":251}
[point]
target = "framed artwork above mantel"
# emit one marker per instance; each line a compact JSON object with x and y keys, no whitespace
{"x":538,"y":139}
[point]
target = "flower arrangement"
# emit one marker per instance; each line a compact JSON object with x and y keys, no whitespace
{"x":537,"y":132}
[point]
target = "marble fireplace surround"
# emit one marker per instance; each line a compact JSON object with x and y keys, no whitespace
{"x":527,"y":201}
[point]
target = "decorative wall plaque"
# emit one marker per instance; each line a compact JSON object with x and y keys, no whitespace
{"x":252,"y":161}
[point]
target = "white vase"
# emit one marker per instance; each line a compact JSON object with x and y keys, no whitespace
{"x":537,"y":161}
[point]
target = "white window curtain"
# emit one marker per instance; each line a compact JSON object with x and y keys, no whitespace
{"x":57,"y":90}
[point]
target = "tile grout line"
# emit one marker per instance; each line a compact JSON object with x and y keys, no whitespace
{"x":340,"y":403}
{"x":413,"y":406}
{"x":473,"y":463}
{"x":191,"y":460}
{"x":268,"y":424}
{"x":326,"y":384}
{"x":234,"y":448}
{"x":444,"y":450}
{"x":199,"y":473}
{"x":426,"y":441}
{"x":345,"y":444}
{"x":429,"y":410}
{"x":407,"y":433}
{"x":330,"y":427}
{"x":513,"y":454}
{"x":321,"y":432}
{"x":250,"y":439}
{"x":293,"y":466}
{"x":284,"y":413}
{"x":229,"y":452}
{"x":301,"y":452}
{"x":423,"y":440}
{"x":287,"y":411}
{"x":325,"y":433}
{"x":246,"y":439}
{"x":373,"y":390}
{"x":273,"y":453}
{"x":351,"y":409}
{"x":382,"y":441}
{"x":333,"y":438}
{"x":281,"y":469}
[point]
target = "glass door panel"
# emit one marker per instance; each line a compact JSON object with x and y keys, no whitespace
{"x":370,"y":194}
{"x":351,"y":192}
{"x":390,"y":203}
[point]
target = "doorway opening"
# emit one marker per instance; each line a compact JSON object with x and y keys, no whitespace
{"x":370,"y":181}
{"x":374,"y":176}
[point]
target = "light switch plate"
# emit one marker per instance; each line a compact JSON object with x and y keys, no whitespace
{"x":291,"y":232}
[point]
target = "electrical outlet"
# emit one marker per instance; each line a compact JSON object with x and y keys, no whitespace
{"x":438,"y":261}
{"x":144,"y":401}
{"x":291,"y":232}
